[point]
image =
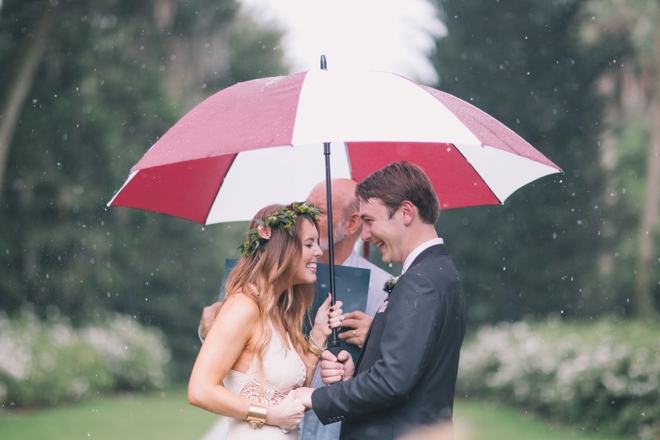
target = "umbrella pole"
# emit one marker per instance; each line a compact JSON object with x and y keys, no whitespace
{"x":334,"y":343}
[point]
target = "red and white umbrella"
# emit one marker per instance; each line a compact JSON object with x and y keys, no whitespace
{"x":261,"y":142}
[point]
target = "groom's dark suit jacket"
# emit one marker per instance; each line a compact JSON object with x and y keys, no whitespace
{"x":406,"y":374}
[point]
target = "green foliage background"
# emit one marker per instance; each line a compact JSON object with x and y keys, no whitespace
{"x":118,"y":73}
{"x":108,"y":86}
{"x":543,"y":251}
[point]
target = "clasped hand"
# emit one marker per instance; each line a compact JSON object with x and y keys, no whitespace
{"x":287,"y":414}
{"x":335,"y":369}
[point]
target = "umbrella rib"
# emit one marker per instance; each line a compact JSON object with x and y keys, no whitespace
{"x":477,"y":173}
{"x":219,"y":187}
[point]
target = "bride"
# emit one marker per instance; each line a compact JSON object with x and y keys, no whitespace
{"x":255,"y":355}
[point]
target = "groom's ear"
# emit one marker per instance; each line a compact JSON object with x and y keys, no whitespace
{"x":408,"y":212}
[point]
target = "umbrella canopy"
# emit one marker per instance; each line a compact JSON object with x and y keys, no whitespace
{"x":261,"y":142}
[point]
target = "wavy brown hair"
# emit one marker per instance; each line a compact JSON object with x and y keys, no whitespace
{"x":267,"y":278}
{"x":400,"y":181}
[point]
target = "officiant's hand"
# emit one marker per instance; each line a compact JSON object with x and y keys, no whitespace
{"x":358,"y":324}
{"x":335,"y":369}
{"x":208,"y":317}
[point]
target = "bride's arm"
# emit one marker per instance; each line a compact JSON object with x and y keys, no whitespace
{"x":234,"y":328}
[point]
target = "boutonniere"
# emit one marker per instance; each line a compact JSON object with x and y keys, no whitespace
{"x":389,"y":285}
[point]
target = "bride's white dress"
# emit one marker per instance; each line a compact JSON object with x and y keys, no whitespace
{"x":284,"y":371}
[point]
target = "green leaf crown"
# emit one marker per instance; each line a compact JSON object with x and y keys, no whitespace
{"x":282,"y":219}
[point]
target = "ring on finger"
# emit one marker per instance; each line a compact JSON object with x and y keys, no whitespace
{"x":341,"y":318}
{"x":353,"y":332}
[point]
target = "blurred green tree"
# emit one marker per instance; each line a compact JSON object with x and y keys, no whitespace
{"x":541,"y":252}
{"x":632,"y":137}
{"x":114,"y":75}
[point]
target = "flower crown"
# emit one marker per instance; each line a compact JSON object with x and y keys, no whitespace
{"x":283,"y":219}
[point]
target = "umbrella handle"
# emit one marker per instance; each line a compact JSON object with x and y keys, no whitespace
{"x":334,"y":350}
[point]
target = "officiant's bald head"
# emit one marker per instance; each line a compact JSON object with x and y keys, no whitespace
{"x":345,"y":217}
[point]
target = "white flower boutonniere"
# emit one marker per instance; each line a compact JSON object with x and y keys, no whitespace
{"x":389,"y":285}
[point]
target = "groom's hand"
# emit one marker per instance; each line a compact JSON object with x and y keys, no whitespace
{"x":335,"y":369}
{"x":304,"y":396}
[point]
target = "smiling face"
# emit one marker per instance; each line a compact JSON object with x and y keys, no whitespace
{"x":343,"y":196}
{"x":306,"y":272}
{"x":383,"y":231}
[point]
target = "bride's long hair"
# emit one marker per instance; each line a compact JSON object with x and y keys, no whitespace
{"x":267,"y":278}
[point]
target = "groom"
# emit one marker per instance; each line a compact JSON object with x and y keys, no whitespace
{"x":406,"y":374}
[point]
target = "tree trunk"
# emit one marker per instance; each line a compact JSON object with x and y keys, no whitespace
{"x":19,"y":86}
{"x":644,"y":306}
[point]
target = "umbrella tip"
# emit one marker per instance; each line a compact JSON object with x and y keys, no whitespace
{"x":324,"y":63}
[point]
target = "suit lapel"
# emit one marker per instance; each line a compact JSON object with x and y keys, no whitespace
{"x":436,"y":249}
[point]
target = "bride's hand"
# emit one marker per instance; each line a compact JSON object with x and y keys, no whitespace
{"x":287,"y":414}
{"x":328,"y":317}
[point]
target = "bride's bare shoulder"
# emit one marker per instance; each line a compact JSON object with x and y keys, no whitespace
{"x":238,"y":303}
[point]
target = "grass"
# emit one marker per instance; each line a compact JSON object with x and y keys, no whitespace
{"x":168,"y":415}
{"x":478,"y":420}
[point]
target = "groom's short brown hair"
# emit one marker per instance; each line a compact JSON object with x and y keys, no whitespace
{"x":401,"y":181}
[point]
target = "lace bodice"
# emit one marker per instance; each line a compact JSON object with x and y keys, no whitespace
{"x":284,"y":370}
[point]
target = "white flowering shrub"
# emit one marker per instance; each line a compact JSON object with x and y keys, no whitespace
{"x":44,"y":363}
{"x":135,"y":355}
{"x":600,"y":375}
